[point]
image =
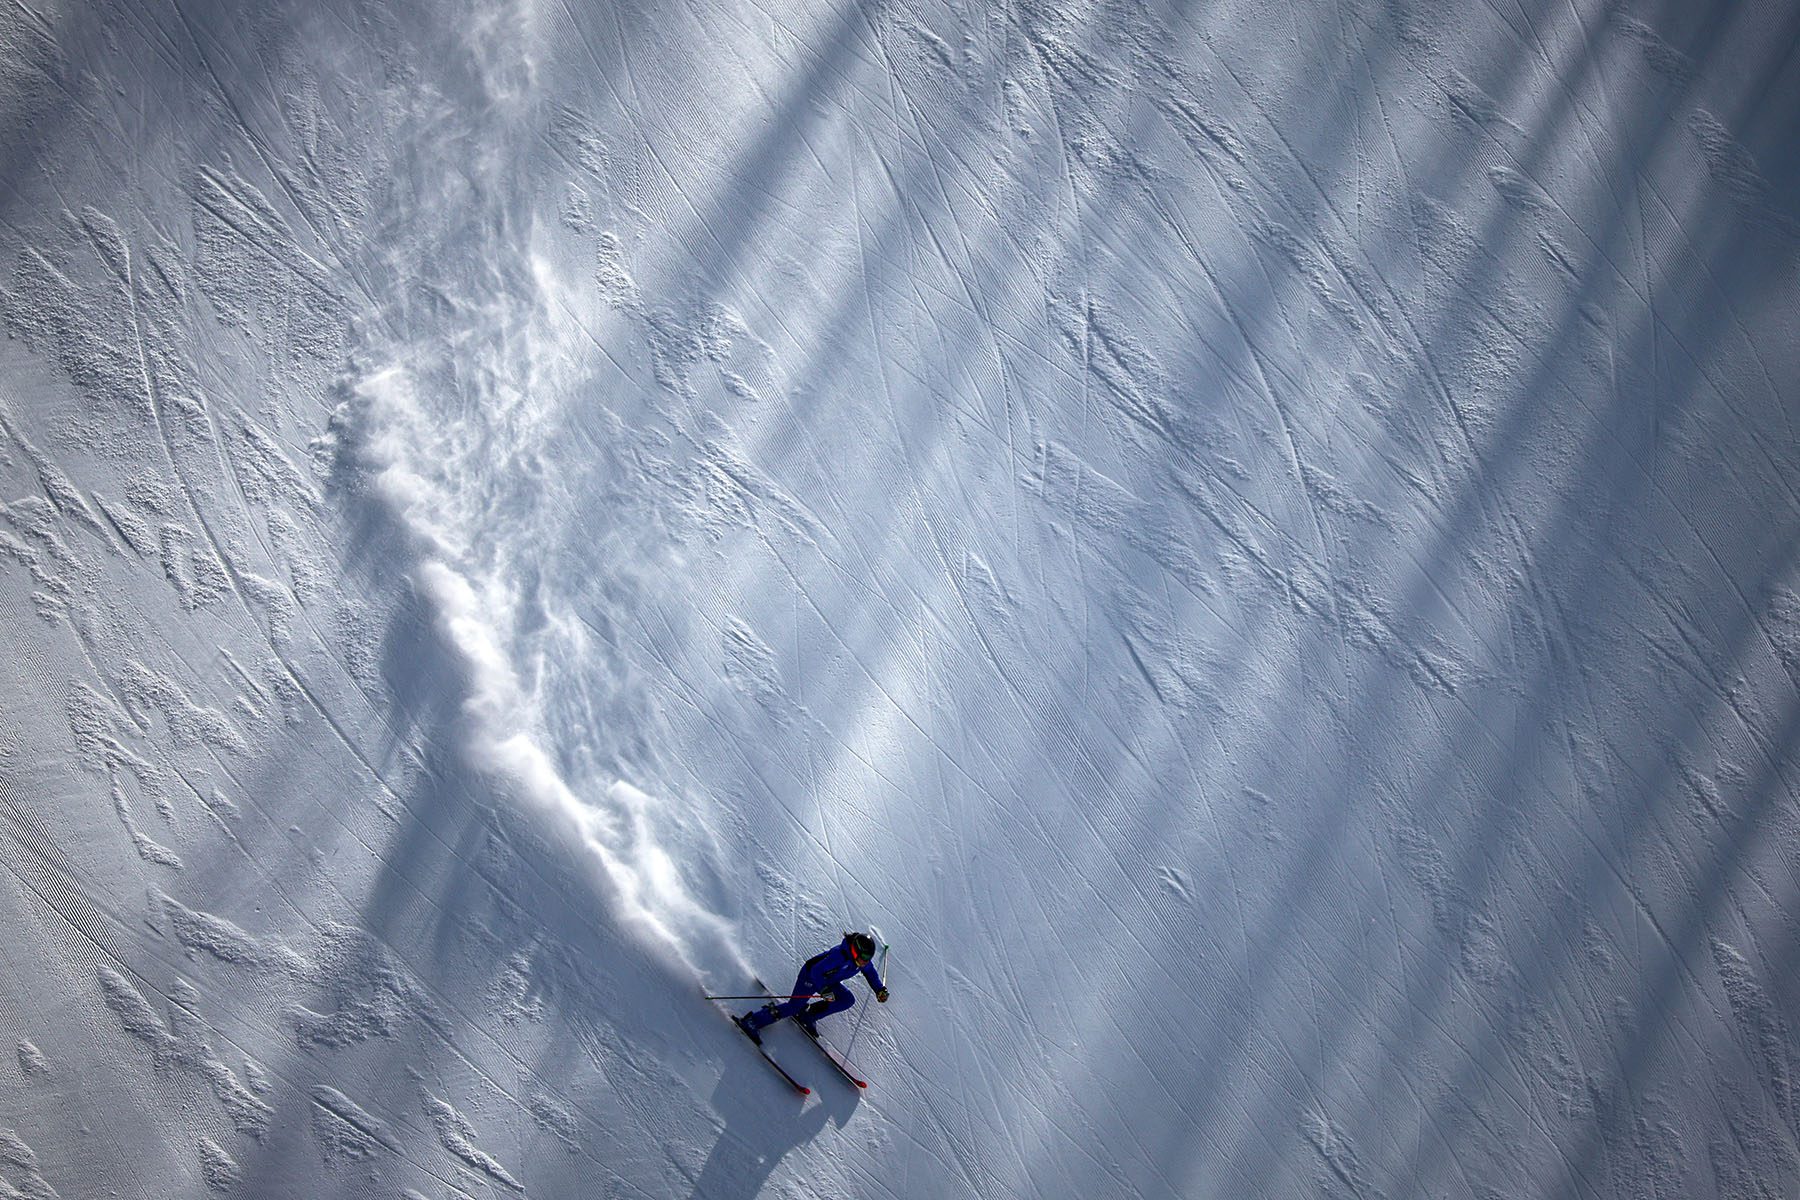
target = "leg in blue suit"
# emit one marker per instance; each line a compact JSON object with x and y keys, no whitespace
{"x":833,"y":999}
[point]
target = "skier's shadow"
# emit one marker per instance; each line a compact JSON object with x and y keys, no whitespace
{"x":764,"y":1119}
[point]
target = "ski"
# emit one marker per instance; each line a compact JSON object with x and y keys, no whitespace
{"x":761,"y":1049}
{"x":770,"y":1059}
{"x":833,"y":1057}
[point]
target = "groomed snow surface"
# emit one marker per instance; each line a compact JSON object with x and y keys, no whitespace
{"x":1258,"y":542}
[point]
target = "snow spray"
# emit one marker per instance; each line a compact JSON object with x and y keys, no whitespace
{"x":384,"y":432}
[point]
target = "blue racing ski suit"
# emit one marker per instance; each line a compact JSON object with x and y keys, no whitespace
{"x":823,"y":976}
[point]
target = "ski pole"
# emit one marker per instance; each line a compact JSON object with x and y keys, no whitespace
{"x":859,"y":1021}
{"x":764,"y":996}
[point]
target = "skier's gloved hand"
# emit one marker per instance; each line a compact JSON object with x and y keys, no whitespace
{"x":881,"y":996}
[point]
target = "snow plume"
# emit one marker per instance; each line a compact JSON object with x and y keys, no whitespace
{"x":412,"y":463}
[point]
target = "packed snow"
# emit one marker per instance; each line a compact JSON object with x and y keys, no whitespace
{"x":1259,"y":544}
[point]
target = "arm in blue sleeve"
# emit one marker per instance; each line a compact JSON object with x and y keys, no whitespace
{"x":874,"y":979}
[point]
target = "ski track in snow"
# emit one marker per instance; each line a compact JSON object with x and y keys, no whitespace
{"x":1256,"y":544}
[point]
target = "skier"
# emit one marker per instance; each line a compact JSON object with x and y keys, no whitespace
{"x":821,"y":975}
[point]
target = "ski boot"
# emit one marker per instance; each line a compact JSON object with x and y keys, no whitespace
{"x":805,"y":1019}
{"x":750,"y":1031}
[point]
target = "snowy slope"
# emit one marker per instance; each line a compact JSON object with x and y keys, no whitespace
{"x":1257,"y":542}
